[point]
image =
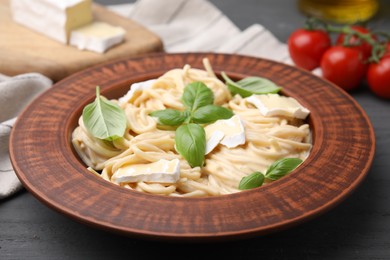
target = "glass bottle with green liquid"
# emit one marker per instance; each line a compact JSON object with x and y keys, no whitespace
{"x":340,"y":11}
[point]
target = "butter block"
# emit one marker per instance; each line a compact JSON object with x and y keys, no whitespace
{"x":97,"y":37}
{"x":276,"y":105}
{"x":53,"y":18}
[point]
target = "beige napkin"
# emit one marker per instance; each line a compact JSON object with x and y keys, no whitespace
{"x":15,"y":94}
{"x":197,"y":25}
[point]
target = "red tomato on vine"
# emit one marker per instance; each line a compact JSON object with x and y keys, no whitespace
{"x":357,"y":53}
{"x":344,"y":66}
{"x":378,"y":77}
{"x":306,"y":47}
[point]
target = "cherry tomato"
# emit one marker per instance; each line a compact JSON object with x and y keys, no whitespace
{"x":378,"y":77}
{"x":306,"y":47}
{"x":344,"y":66}
{"x":364,"y":46}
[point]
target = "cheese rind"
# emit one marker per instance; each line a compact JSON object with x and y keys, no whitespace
{"x":276,"y":105}
{"x":52,"y":18}
{"x":97,"y":37}
{"x":162,"y":171}
{"x":228,"y":132}
{"x":213,"y":139}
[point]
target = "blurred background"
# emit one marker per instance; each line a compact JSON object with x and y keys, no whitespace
{"x":264,"y":12}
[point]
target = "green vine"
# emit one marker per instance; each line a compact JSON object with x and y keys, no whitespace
{"x":378,"y":40}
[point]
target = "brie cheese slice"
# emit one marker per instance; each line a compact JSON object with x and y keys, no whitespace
{"x":135,"y":87}
{"x":53,"y":18}
{"x":162,"y":171}
{"x":97,"y":37}
{"x":276,"y":105}
{"x":213,"y":139}
{"x":228,"y":132}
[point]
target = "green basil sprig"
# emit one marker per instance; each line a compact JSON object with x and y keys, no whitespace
{"x":104,"y":119}
{"x":170,"y":117}
{"x":251,"y":181}
{"x":276,"y":171}
{"x":198,"y":100}
{"x":190,"y":137}
{"x":210,"y":113}
{"x":251,"y":85}
{"x":191,"y":143}
{"x":196,"y":95}
{"x":281,"y":168}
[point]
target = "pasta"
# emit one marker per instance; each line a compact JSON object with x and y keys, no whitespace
{"x":145,"y":141}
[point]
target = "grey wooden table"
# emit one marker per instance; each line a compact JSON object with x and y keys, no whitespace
{"x":359,"y":228}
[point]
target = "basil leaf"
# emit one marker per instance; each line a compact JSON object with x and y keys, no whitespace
{"x":104,"y":119}
{"x":210,"y":114}
{"x":191,"y":143}
{"x":170,"y":116}
{"x":282,"y":167}
{"x":251,"y":181}
{"x":258,"y":85}
{"x":251,"y":85}
{"x":196,"y":95}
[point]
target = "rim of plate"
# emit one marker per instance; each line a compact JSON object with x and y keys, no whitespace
{"x":46,"y":164}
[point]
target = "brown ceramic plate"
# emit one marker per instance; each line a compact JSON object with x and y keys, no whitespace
{"x":48,"y":167}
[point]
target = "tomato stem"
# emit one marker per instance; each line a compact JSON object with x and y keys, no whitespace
{"x":313,"y":23}
{"x":377,"y":53}
{"x":378,"y":48}
{"x":383,"y":34}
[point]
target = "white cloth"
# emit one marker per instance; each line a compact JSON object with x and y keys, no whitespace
{"x":197,"y":25}
{"x":15,"y":94}
{"x":183,"y":26}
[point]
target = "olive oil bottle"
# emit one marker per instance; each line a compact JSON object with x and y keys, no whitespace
{"x":340,"y":11}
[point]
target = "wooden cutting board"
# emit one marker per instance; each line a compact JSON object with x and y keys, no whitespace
{"x":23,"y":50}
